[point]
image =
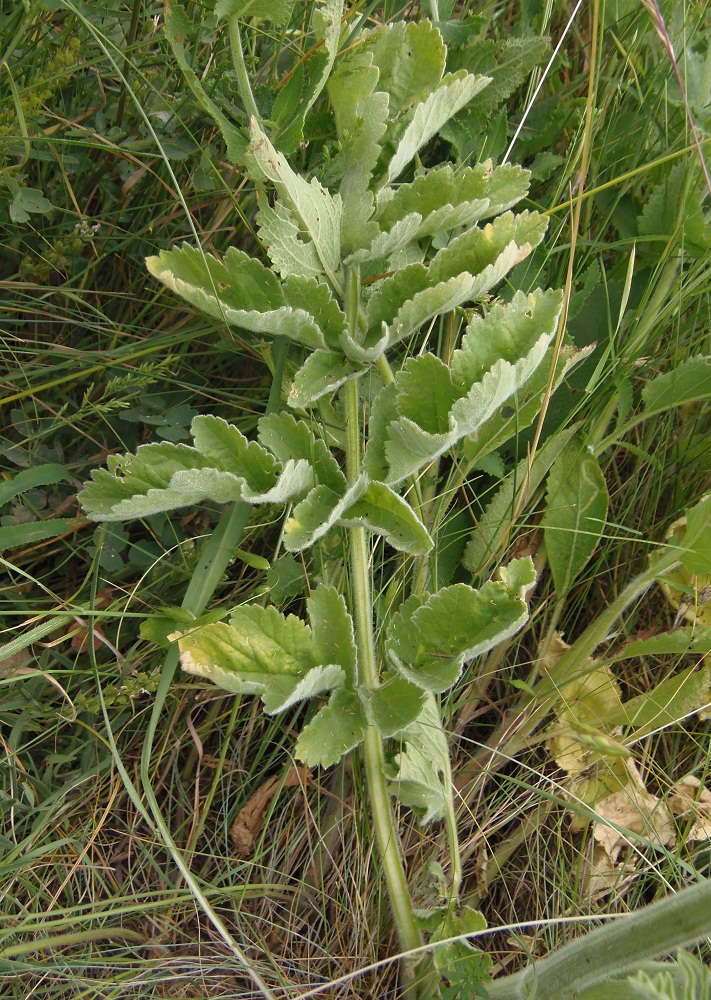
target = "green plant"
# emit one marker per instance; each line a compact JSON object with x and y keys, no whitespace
{"x":359,"y":267}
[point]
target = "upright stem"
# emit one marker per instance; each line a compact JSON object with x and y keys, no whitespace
{"x":245,"y":90}
{"x":385,"y":830}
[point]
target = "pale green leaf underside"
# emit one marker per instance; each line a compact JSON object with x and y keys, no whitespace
{"x":422,"y":766}
{"x":322,"y":374}
{"x":240,"y":292}
{"x":289,"y":439}
{"x":452,"y":94}
{"x":479,"y":192}
{"x":315,"y":213}
{"x":223,"y":466}
{"x":369,"y":504}
{"x":575,"y":515}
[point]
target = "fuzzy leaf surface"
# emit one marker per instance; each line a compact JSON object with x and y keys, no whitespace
{"x":383,"y":512}
{"x":289,"y":439}
{"x":315,"y":212}
{"x":337,"y":728}
{"x":317,"y":513}
{"x":321,"y":374}
{"x":452,"y":94}
{"x":264,"y":652}
{"x":222,"y":466}
{"x":394,"y":704}
{"x":411,"y":59}
{"x":446,"y":199}
{"x":422,"y":766}
{"x":575,"y":515}
{"x":477,"y":248}
{"x":332,"y":631}
{"x":429,"y":643}
{"x":240,"y":292}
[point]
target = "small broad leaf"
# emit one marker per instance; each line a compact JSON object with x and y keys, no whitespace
{"x":337,"y":728}
{"x":422,"y":766}
{"x":451,"y":95}
{"x":322,"y":374}
{"x":575,"y":515}
{"x":240,"y":291}
{"x":425,"y":393}
{"x":394,"y":704}
{"x":289,"y":439}
{"x":382,"y":511}
{"x":689,"y":382}
{"x":332,"y":631}
{"x":315,"y":213}
{"x":411,"y":59}
{"x":429,"y":641}
{"x":28,"y":201}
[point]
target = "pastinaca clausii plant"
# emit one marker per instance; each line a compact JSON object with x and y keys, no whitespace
{"x":361,"y":261}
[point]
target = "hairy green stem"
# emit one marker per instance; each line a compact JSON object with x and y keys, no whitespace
{"x":608,"y":952}
{"x":245,"y":90}
{"x":386,"y":833}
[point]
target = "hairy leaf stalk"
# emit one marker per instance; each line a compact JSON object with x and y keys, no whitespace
{"x":386,"y":833}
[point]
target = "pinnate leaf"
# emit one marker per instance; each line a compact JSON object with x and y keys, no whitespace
{"x":312,"y":210}
{"x":163,"y":476}
{"x":262,"y":651}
